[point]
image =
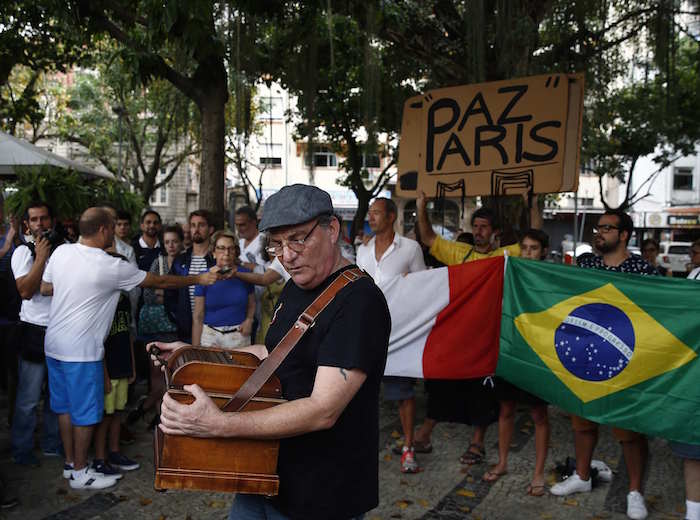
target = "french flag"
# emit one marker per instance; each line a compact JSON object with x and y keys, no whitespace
{"x":446,"y":322}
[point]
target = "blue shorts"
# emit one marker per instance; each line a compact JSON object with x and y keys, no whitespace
{"x":398,"y":388}
{"x":77,"y":388}
{"x":685,"y":451}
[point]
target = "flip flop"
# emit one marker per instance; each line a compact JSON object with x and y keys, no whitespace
{"x":422,"y":447}
{"x":471,"y":457}
{"x":536,"y":491}
{"x":492,"y":476}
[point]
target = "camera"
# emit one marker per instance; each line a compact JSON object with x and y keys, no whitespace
{"x":53,"y":237}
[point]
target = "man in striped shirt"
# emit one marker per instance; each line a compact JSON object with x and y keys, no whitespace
{"x":198,"y":259}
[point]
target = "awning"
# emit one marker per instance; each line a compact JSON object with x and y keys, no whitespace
{"x":17,"y":153}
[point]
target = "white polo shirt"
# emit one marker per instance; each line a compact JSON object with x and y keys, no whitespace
{"x":86,"y":284}
{"x":35,"y":310}
{"x":402,"y":256}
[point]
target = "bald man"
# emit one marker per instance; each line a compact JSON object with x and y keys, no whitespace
{"x":85,"y":282}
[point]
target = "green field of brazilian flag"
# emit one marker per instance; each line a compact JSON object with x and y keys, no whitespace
{"x":619,"y":349}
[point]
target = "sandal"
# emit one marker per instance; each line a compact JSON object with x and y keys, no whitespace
{"x":492,"y":476}
{"x":536,"y":491}
{"x":422,"y":447}
{"x":471,"y":457}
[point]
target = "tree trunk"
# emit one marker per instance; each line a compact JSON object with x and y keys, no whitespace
{"x":358,"y":221}
{"x":211,"y":179}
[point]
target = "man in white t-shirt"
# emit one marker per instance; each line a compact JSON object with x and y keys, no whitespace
{"x":28,"y":264}
{"x":85,"y":282}
{"x":251,"y":244}
{"x":385,"y":256}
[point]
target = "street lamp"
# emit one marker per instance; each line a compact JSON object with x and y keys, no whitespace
{"x":119,"y":111}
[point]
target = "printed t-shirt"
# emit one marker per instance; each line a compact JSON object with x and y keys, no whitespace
{"x":118,"y":342}
{"x":36,"y":309}
{"x":86,"y":284}
{"x":452,"y":253}
{"x":339,"y":465}
{"x":225,"y":302}
{"x":633,"y":264}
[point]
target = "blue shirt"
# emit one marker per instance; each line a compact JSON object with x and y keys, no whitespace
{"x":225,"y":302}
{"x":5,"y":260}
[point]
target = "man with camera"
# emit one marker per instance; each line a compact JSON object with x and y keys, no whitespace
{"x":28,"y":263}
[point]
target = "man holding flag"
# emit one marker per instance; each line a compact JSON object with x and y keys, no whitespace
{"x":485,"y":230}
{"x":612,"y":234}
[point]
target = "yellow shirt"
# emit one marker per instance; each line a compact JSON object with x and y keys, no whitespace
{"x":451,"y":253}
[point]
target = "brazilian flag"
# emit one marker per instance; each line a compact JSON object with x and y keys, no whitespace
{"x":616,"y":348}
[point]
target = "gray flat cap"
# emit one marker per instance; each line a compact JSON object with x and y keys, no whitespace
{"x":295,"y":204}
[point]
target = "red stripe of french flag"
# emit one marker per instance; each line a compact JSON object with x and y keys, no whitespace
{"x":446,"y":322}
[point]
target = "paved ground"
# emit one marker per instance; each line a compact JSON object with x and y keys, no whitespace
{"x":444,"y":490}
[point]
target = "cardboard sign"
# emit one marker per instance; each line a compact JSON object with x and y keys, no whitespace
{"x":499,"y":138}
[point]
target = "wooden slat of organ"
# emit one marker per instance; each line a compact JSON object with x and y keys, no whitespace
{"x":216,"y":464}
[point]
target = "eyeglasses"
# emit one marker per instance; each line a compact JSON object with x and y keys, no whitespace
{"x":297,"y":245}
{"x":604,"y":228}
{"x":221,"y":249}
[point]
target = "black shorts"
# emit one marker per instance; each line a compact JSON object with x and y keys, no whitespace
{"x":465,"y":401}
{"x":506,"y":391}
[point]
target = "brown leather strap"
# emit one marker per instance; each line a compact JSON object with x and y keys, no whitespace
{"x":304,"y":322}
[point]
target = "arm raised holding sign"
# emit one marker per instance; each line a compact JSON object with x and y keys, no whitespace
{"x":485,"y":229}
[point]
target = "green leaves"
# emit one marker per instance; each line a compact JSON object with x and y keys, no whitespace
{"x":67,"y":192}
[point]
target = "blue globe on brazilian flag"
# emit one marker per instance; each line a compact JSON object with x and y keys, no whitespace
{"x":616,"y":348}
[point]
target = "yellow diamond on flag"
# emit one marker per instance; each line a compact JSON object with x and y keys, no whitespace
{"x":600,"y":342}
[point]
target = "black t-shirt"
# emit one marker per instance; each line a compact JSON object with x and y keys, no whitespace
{"x":117,"y":344}
{"x":333,"y":473}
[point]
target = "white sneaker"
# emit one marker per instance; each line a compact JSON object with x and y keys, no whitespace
{"x":573,"y":484}
{"x":605,"y":474}
{"x":67,"y":469}
{"x":83,"y":480}
{"x":636,"y":509}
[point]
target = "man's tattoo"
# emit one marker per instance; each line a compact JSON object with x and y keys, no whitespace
{"x":345,"y":376}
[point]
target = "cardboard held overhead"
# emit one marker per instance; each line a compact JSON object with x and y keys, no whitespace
{"x":499,"y":138}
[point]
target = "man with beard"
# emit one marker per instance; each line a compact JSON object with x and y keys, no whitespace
{"x":612,"y":234}
{"x":471,"y":401}
{"x":198,"y":259}
{"x":28,"y":264}
{"x":147,"y":246}
{"x":85,"y":282}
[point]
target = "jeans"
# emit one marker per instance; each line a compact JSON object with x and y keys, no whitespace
{"x":30,"y":382}
{"x":257,"y":507}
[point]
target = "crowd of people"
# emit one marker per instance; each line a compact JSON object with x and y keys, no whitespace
{"x":81,"y":307}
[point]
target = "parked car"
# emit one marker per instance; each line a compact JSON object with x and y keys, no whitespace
{"x":674,"y":256}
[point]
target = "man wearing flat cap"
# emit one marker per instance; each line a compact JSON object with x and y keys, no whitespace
{"x":329,"y":426}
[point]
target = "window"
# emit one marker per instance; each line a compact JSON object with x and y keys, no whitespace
{"x":585,"y":201}
{"x":370,"y":160}
{"x":683,"y":179}
{"x":271,"y":108}
{"x":160,"y":196}
{"x":271,"y":154}
{"x":323,"y":158}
